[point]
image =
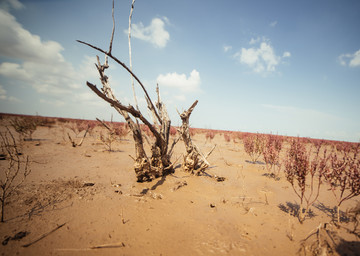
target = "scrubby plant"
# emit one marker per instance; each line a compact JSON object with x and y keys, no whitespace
{"x":305,"y":173}
{"x":254,"y":146}
{"x":343,"y":176}
{"x":114,"y":132}
{"x":227,"y":137}
{"x":24,"y":126}
{"x":15,"y":172}
{"x":271,"y":154}
{"x":77,"y":127}
{"x":210,"y":135}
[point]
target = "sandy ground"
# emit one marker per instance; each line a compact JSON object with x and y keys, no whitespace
{"x":177,"y":215}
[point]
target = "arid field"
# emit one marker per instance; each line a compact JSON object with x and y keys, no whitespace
{"x":85,"y":200}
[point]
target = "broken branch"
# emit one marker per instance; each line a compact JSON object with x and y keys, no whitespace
{"x":44,"y":235}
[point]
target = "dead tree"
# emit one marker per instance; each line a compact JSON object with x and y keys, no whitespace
{"x":159,"y":163}
{"x":194,"y":161}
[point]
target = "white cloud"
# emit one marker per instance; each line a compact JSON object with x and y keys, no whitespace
{"x":4,"y":96}
{"x":262,"y":59}
{"x":286,"y":54}
{"x":155,"y":33}
{"x":273,"y":24}
{"x":17,"y":42}
{"x":254,"y":40}
{"x":180,"y":81}
{"x":351,"y":60}
{"x":8,"y":4}
{"x":40,"y":64}
{"x":227,"y":48}
{"x":14,"y":70}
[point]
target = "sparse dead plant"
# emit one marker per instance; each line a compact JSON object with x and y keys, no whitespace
{"x":354,"y":215}
{"x":16,"y":171}
{"x":114,"y":132}
{"x":159,"y":163}
{"x":304,"y":171}
{"x":24,"y":126}
{"x":323,"y":240}
{"x":77,"y":127}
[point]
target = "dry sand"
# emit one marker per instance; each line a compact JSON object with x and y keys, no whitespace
{"x":176,"y":215}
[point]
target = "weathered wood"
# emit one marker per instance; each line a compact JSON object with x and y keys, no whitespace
{"x":159,"y":163}
{"x":194,"y":160}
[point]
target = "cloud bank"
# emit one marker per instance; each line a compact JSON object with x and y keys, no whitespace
{"x":37,"y":63}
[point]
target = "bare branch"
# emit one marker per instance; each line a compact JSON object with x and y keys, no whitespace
{"x":127,"y":69}
{"x":113,"y":29}
{"x":135,"y":113}
{"x":130,"y":59}
{"x":104,"y":124}
{"x":44,"y":235}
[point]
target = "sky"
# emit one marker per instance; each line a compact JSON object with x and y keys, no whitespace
{"x":282,"y":67}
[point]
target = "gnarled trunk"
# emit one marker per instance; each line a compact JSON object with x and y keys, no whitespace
{"x":194,"y":161}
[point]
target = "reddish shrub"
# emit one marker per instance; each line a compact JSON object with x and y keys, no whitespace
{"x":254,"y":146}
{"x":343,"y":176}
{"x":210,"y":135}
{"x":271,"y":154}
{"x":227,"y":137}
{"x":301,"y":171}
{"x":173,"y":131}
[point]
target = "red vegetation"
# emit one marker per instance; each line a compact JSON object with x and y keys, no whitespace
{"x":304,"y":172}
{"x":254,"y":146}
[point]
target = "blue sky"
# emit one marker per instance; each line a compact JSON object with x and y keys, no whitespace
{"x":286,"y":67}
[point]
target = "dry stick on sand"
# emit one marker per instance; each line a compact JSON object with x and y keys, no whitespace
{"x":44,"y":235}
{"x":107,"y":246}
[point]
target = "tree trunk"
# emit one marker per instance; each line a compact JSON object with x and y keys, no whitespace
{"x":159,"y":163}
{"x":194,"y":161}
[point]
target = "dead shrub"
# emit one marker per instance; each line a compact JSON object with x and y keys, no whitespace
{"x":14,"y":173}
{"x":24,"y":126}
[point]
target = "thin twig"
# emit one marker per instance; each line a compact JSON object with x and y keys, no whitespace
{"x":104,"y":246}
{"x":130,"y":109}
{"x":130,"y":58}
{"x":127,"y":69}
{"x":104,"y":124}
{"x":44,"y":235}
{"x":113,"y":29}
{"x":208,"y":154}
